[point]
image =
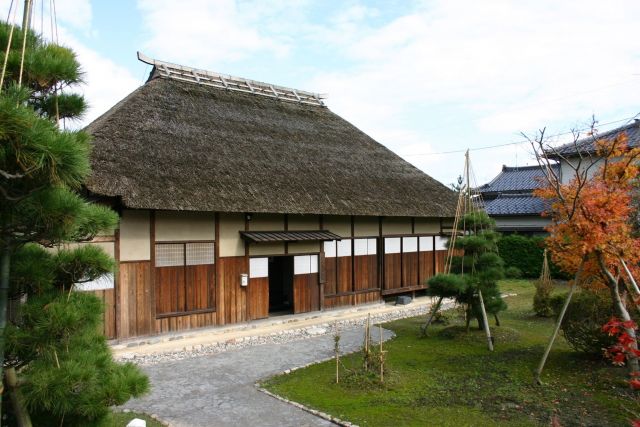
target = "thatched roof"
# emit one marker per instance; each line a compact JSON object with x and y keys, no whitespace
{"x":177,"y":145}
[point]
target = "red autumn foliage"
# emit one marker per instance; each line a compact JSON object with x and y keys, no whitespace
{"x":624,"y":348}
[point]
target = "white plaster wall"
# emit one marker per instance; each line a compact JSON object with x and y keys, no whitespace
{"x":427,"y":225}
{"x":172,"y":226}
{"x":108,"y":247}
{"x":230,"y":242}
{"x":266,"y":249}
{"x":303,"y":222}
{"x":304,"y":247}
{"x":266,"y":222}
{"x":396,"y":226}
{"x":338,"y":224}
{"x":567,"y":173}
{"x":366,"y":226}
{"x":135,"y":236}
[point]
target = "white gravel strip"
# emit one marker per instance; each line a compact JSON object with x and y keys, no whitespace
{"x":279,"y":337}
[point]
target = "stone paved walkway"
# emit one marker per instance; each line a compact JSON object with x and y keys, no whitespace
{"x":219,"y":389}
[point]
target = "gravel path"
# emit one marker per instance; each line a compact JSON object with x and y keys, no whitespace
{"x":206,"y":387}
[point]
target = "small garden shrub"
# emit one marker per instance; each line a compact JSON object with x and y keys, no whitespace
{"x":513,"y":273}
{"x":582,"y":324}
{"x":542,"y":301}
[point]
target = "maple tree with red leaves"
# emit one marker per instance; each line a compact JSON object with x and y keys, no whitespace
{"x":592,"y":226}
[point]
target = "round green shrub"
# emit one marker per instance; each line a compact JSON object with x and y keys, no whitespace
{"x":582,"y":323}
{"x":513,"y":273}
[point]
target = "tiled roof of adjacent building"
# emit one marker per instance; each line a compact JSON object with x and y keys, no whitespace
{"x":515,"y":179}
{"x":510,"y":204}
{"x":587,"y":145}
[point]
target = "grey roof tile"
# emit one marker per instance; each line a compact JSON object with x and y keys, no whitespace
{"x":508,"y":204}
{"x":587,"y":145}
{"x":516,"y":179}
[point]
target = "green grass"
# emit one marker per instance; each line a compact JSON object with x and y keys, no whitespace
{"x":450,"y":378}
{"x":121,"y":419}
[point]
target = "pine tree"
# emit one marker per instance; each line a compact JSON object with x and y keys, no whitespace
{"x":66,"y":369}
{"x":478,"y":270}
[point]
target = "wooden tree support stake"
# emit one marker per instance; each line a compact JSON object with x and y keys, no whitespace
{"x":336,"y":349}
{"x":434,"y":310}
{"x":547,"y":350}
{"x":485,"y":322}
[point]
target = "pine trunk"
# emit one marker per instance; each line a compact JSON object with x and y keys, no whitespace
{"x":17,"y":402}
{"x":5,"y":265}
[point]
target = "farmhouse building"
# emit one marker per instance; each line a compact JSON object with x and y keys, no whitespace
{"x":240,"y":200}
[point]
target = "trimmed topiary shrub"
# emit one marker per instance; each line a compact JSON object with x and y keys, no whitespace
{"x":582,"y":323}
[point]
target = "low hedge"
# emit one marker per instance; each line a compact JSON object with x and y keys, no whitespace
{"x":525,"y":254}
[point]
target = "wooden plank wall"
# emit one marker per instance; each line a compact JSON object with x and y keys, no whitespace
{"x":344,"y":277}
{"x":134,"y":305}
{"x":392,"y":271}
{"x":233,"y":301}
{"x":337,"y":301}
{"x":170,"y":289}
{"x":258,"y":298}
{"x":441,"y":256}
{"x":174,"y":294}
{"x":331,"y":266}
{"x":366,"y":272}
{"x":410,"y":269}
{"x":367,"y":297}
{"x":306,"y":293}
{"x":108,"y":327}
{"x":427,"y":265}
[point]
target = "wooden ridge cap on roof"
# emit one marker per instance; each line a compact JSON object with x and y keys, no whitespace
{"x":228,"y":82}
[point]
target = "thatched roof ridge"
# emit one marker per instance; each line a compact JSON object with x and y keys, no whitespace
{"x":176,"y":145}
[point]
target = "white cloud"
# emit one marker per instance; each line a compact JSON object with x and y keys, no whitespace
{"x":198,"y":32}
{"x":502,"y":67}
{"x":442,"y":76}
{"x":76,"y":14}
{"x":106,"y":82}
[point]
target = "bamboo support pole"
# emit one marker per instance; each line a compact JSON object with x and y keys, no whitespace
{"x":631,"y":279}
{"x":336,"y":349}
{"x":432,"y":315}
{"x":485,"y":322}
{"x":547,"y":350}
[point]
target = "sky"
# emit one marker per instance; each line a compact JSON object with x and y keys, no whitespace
{"x":428,"y":79}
